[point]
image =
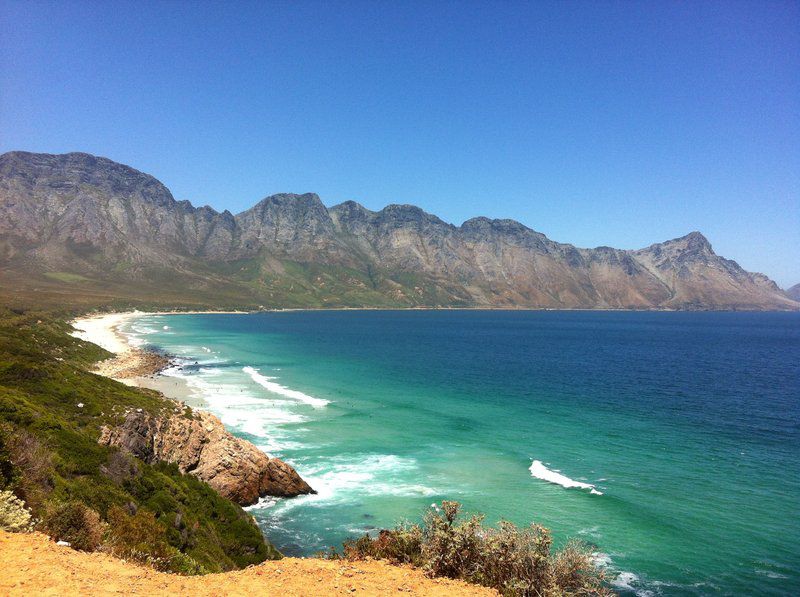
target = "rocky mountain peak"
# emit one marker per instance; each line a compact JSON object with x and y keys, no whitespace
{"x":67,"y":175}
{"x":695,"y":241}
{"x":109,"y":223}
{"x":409,"y":215}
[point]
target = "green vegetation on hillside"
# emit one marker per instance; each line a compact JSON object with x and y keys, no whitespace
{"x":51,"y":413}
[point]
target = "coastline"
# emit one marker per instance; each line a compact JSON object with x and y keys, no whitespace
{"x":146,"y":369}
{"x":135,"y":366}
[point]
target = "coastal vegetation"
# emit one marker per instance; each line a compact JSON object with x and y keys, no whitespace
{"x":515,"y":561}
{"x":92,"y":496}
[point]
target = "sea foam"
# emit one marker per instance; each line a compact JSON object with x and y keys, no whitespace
{"x":349,"y":478}
{"x":272,"y":386}
{"x":540,"y":471}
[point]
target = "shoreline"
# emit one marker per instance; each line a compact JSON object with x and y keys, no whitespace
{"x":135,"y":366}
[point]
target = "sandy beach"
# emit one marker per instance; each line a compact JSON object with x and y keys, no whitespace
{"x":130,"y":365}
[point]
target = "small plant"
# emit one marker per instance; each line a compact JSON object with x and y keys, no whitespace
{"x":401,"y":545}
{"x":516,"y":562}
{"x":14,"y":516}
{"x":75,"y":523}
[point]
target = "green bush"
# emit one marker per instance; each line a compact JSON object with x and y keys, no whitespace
{"x":142,"y":538}
{"x":75,"y":523}
{"x":516,"y":562}
{"x":34,"y":465}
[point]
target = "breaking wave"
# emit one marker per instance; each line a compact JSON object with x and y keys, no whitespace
{"x":349,"y":478}
{"x":276,"y":388}
{"x":540,"y":471}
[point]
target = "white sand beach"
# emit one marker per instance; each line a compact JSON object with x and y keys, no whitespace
{"x":102,"y":330}
{"x":129,"y":365}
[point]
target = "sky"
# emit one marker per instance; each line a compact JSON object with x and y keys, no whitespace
{"x":596,"y":123}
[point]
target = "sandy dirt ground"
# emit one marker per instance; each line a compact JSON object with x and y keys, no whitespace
{"x":32,"y":564}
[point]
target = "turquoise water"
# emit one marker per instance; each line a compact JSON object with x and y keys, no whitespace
{"x":684,"y":428}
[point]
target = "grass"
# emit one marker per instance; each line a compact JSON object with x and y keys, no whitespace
{"x":261,"y":282}
{"x":66,"y":277}
{"x":51,"y":413}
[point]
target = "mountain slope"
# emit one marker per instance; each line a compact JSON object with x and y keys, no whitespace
{"x":76,"y":225}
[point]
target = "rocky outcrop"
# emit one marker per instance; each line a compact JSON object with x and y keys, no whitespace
{"x":113,"y":225}
{"x":794,"y":292}
{"x":199,"y":444}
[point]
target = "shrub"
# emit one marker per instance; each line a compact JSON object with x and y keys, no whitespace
{"x":14,"y":516}
{"x":450,"y":549}
{"x":516,"y":562}
{"x":402,"y":545}
{"x":140,"y":537}
{"x":7,"y":471}
{"x":35,"y":465}
{"x":75,"y":523}
{"x":119,"y":468}
{"x":137,"y":536}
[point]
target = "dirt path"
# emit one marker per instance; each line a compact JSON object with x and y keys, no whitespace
{"x":32,"y":564}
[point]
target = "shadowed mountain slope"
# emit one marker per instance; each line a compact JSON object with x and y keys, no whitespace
{"x":83,"y":228}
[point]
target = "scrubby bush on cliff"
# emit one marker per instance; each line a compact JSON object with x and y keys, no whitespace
{"x":401,"y":545}
{"x":33,"y":464}
{"x":516,"y":562}
{"x":76,"y":524}
{"x":142,"y":538}
{"x":14,"y":516}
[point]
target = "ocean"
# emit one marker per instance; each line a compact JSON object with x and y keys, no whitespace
{"x":670,"y":441}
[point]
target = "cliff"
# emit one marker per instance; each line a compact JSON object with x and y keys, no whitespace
{"x":93,"y":230}
{"x":199,"y":444}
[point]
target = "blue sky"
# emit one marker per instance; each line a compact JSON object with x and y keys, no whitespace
{"x":597,"y":123}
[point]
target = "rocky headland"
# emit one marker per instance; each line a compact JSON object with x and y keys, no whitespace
{"x":195,"y":440}
{"x":132,"y":364}
{"x":200,"y":445}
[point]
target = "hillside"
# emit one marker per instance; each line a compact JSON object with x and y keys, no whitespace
{"x":90,"y":231}
{"x":52,"y":413}
{"x":33,"y":564}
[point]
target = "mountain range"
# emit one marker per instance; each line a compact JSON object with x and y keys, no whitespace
{"x":81,"y":228}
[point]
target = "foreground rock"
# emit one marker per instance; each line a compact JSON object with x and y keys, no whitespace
{"x":199,"y":444}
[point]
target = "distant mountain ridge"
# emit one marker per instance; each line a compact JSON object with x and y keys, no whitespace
{"x":80,"y":224}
